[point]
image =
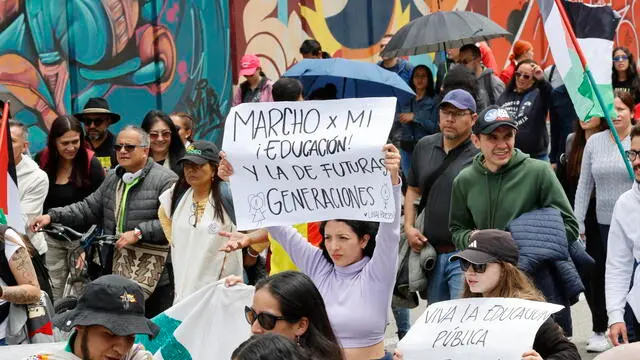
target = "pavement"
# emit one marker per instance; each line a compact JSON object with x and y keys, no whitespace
{"x":579,"y":312}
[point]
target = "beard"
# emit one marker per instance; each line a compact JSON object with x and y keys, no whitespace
{"x":95,"y":136}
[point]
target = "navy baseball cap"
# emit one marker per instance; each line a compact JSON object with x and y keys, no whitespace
{"x":461,"y":99}
{"x":492,"y":118}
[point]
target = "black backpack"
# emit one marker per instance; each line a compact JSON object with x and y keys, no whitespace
{"x":41,"y":269}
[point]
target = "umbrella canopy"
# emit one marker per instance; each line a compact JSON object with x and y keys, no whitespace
{"x":353,"y":79}
{"x":440,"y":31}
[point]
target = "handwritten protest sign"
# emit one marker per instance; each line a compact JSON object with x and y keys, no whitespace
{"x":297,"y":162}
{"x":476,"y":328}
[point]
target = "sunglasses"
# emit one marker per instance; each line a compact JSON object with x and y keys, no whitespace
{"x":621,"y":58}
{"x":95,"y":121}
{"x":477,"y":268}
{"x":127,"y":147}
{"x":266,"y":320}
{"x":632,"y":154}
{"x":164,"y":134}
{"x":524,"y":76}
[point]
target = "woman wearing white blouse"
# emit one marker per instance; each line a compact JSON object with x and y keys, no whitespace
{"x":603,"y":168}
{"x":192,"y":214}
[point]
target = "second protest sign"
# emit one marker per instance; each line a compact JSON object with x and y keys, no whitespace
{"x":297,"y":162}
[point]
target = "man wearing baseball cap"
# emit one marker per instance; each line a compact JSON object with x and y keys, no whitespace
{"x":97,"y":117}
{"x":257,"y":87}
{"x":503,"y":183}
{"x":105,"y":322}
{"x":437,"y":159}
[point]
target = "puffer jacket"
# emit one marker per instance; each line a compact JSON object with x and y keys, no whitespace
{"x":544,"y":254}
{"x":141,"y":208}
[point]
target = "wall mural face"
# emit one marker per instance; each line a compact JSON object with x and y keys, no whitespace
{"x":274,"y":29}
{"x":171,"y":55}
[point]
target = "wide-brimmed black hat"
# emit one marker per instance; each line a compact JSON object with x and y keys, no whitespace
{"x":490,"y":245}
{"x":113,"y":302}
{"x":201,"y":152}
{"x":97,"y":105}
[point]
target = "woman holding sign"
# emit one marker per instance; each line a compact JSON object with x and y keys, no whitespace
{"x":490,"y":267}
{"x":354,"y":269}
{"x":491,"y":270}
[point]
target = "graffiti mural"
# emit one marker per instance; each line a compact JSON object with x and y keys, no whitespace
{"x":274,"y":29}
{"x":171,"y":55}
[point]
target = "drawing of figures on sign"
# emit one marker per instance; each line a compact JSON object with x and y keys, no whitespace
{"x":309,"y":161}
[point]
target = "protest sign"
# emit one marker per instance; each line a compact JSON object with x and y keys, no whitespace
{"x":297,"y":162}
{"x":476,"y":328}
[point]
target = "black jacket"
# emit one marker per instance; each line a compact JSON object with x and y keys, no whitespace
{"x":551,"y":343}
{"x":529,"y":110}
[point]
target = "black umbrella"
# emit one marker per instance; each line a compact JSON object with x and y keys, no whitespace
{"x":440,"y":31}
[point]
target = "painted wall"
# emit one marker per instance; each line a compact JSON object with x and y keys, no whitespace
{"x":139,"y":54}
{"x":274,"y":29}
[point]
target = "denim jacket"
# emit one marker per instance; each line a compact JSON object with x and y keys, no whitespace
{"x":425,"y":119}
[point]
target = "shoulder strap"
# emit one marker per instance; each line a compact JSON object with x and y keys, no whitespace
{"x":428,"y":183}
{"x":488,"y":87}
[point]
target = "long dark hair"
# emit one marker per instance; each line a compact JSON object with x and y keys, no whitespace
{"x":361,"y":228}
{"x":574,"y":157}
{"x":176,"y":147}
{"x":430,"y":91}
{"x":632,"y":70}
{"x":182,"y":186}
{"x":269,"y":346}
{"x":80,"y":165}
{"x":298,"y":297}
{"x":512,"y":83}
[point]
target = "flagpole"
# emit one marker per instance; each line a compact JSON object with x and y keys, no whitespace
{"x":5,"y":123}
{"x":583,"y":60}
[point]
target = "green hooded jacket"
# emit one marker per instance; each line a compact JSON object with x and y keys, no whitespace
{"x":481,"y":199}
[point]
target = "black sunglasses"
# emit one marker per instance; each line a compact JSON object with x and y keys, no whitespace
{"x":266,"y":320}
{"x":524,"y":76}
{"x":96,"y":121}
{"x":127,"y":147}
{"x":477,"y":268}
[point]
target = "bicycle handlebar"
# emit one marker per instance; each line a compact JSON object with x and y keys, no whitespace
{"x":65,"y":231}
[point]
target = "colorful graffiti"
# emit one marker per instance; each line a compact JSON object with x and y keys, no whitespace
{"x":171,"y":55}
{"x":274,"y":29}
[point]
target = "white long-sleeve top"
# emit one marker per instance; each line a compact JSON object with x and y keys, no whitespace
{"x":602,"y":167}
{"x":622,"y":249}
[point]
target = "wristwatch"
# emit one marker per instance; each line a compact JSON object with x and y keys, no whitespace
{"x":138,"y":233}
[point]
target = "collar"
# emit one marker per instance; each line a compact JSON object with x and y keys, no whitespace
{"x":72,"y":340}
{"x":351,"y":270}
{"x":461,"y":147}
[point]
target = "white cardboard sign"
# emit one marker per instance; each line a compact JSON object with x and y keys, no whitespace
{"x":297,"y":162}
{"x":476,"y":328}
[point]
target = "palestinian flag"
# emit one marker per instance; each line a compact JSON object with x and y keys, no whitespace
{"x":9,"y":198}
{"x":594,"y":28}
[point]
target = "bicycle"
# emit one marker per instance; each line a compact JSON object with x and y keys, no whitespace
{"x":87,"y":262}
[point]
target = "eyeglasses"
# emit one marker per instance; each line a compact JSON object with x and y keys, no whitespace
{"x":477,"y":268}
{"x":621,"y":58}
{"x":266,"y":320}
{"x":164,"y":134}
{"x":524,"y":76}
{"x":196,"y":210}
{"x":632,"y":154}
{"x":454,"y":114}
{"x":127,"y":147}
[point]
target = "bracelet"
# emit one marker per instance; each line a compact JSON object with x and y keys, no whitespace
{"x":250,"y":254}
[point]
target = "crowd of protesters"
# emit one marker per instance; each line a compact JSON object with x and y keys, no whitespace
{"x":470,"y":163}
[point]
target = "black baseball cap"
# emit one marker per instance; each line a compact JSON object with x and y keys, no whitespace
{"x":492,"y":118}
{"x":201,"y":152}
{"x":113,"y":302}
{"x":490,"y":245}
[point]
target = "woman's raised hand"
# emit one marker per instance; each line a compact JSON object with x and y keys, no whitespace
{"x":392,"y":162}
